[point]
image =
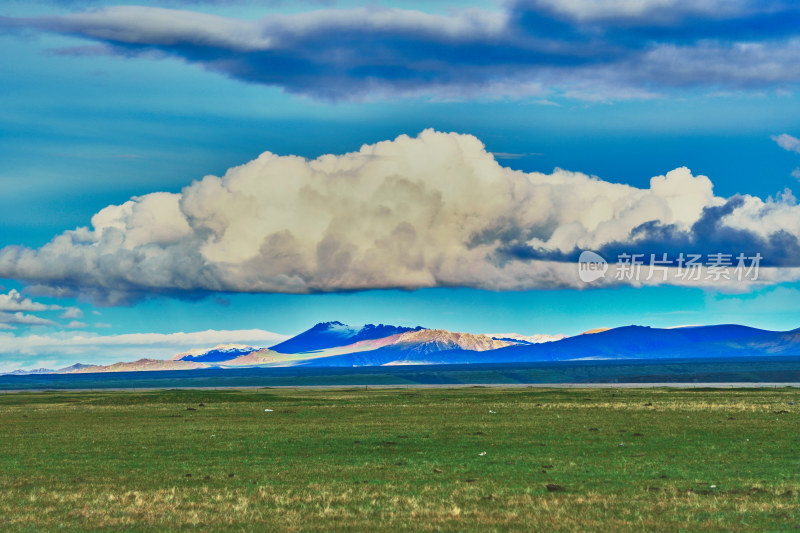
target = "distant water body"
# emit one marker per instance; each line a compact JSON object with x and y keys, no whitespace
{"x":744,"y":370}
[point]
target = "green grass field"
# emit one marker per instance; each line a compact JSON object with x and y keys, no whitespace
{"x":405,"y":460}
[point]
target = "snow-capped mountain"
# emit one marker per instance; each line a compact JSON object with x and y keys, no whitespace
{"x":332,"y":334}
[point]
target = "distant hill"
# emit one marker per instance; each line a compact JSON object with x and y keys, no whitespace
{"x":142,"y":365}
{"x":639,"y":342}
{"x":28,"y":372}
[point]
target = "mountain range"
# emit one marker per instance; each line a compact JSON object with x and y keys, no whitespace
{"x":334,"y":344}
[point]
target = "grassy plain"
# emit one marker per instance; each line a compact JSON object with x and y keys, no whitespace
{"x":401,"y":460}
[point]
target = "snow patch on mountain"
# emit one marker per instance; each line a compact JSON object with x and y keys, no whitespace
{"x":527,"y":339}
{"x":220,"y":352}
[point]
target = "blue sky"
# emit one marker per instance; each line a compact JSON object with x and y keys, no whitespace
{"x":101,"y":105}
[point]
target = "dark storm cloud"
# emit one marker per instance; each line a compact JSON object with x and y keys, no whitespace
{"x":581,"y":48}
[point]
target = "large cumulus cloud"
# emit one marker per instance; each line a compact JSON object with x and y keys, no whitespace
{"x":581,"y":48}
{"x":428,"y":211}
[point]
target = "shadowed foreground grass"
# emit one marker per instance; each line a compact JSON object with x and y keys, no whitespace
{"x":405,"y":460}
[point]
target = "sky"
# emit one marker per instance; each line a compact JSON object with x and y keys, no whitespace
{"x":179,"y":174}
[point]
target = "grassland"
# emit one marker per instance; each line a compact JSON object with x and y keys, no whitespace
{"x":403,"y":460}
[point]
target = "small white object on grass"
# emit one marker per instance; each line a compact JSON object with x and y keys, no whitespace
{"x":713,"y":486}
{"x":492,"y":412}
{"x":482,"y":454}
{"x":267,"y":410}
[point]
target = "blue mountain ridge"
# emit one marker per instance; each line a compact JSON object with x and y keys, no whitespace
{"x":642,"y":342}
{"x":624,"y":343}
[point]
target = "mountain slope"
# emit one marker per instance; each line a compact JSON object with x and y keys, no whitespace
{"x":425,"y":346}
{"x":73,"y":368}
{"x":262,"y":358}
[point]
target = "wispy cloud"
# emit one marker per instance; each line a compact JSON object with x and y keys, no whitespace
{"x":579,"y":48}
{"x":16,"y":310}
{"x":73,"y":347}
{"x":100,"y":156}
{"x":514,"y":155}
{"x":787,"y":142}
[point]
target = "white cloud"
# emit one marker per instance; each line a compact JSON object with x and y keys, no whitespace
{"x":24,"y":319}
{"x":14,"y":301}
{"x":787,"y":142}
{"x":796,"y":173}
{"x":13,"y":304}
{"x":90,"y":348}
{"x":76,"y":324}
{"x":72,"y":312}
{"x":586,"y":10}
{"x":710,"y":64}
{"x":434,"y":210}
{"x":767,"y":217}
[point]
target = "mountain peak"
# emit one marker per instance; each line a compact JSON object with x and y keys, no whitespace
{"x":73,"y":368}
{"x":333,"y":334}
{"x":328,"y":325}
{"x":220,"y":352}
